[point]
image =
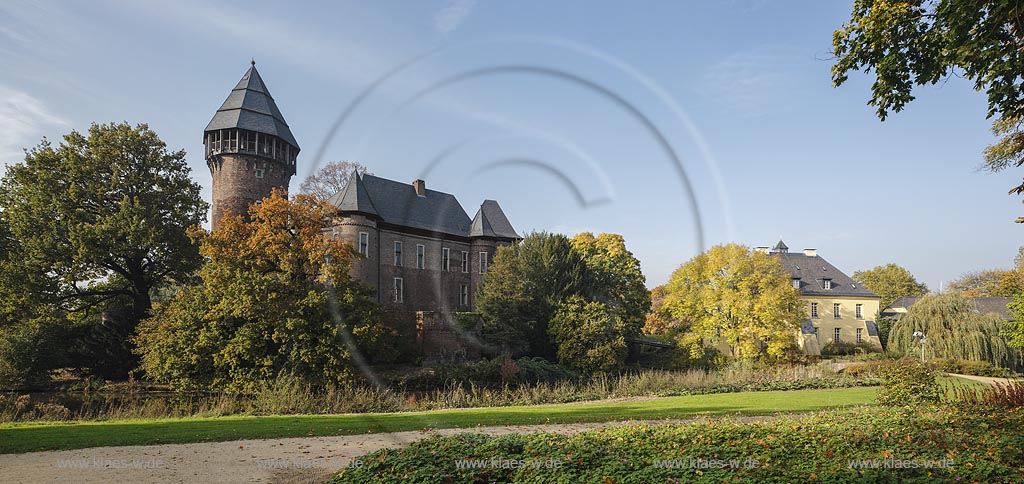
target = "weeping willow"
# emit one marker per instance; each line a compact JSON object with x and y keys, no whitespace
{"x":954,"y":329}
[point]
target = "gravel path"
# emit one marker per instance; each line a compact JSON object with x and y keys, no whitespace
{"x":986,"y":379}
{"x":294,"y":460}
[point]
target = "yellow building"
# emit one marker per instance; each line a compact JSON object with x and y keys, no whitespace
{"x":838,"y":309}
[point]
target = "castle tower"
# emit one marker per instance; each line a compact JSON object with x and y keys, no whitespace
{"x":249,"y":148}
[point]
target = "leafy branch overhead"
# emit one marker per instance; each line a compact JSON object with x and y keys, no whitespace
{"x":924,"y":42}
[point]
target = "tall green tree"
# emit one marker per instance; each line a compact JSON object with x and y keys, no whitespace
{"x":102,"y":216}
{"x":275,"y":298}
{"x":93,"y":225}
{"x":891,"y":282}
{"x":952,"y":329}
{"x":925,"y":42}
{"x":614,"y":276}
{"x":523,"y":288}
{"x":733,"y":294}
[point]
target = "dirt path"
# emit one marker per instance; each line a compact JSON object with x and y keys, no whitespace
{"x":295,"y":460}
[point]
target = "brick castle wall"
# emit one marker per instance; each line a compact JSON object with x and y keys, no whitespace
{"x":236,"y":186}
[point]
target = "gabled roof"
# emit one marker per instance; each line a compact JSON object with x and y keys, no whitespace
{"x":251,"y":107}
{"x":490,"y":221}
{"x":812,"y":271}
{"x":780,"y":247}
{"x":354,"y":198}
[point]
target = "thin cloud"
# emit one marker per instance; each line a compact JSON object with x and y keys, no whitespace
{"x":452,"y":15}
{"x":753,"y":83}
{"x":23,"y":119}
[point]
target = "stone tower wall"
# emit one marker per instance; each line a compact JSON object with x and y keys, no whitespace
{"x":236,"y":185}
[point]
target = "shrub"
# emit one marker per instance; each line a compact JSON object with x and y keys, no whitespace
{"x":866,"y":369}
{"x":845,"y":348}
{"x":589,"y":336}
{"x":631,"y":453}
{"x":907,"y":382}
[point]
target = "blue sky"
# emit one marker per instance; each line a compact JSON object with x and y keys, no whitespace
{"x":677,"y":124}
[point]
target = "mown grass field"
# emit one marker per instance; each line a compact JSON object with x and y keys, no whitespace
{"x":38,"y":436}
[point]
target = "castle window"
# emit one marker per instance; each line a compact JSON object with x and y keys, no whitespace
{"x":464,"y":295}
{"x":465,"y":261}
{"x":860,"y":335}
{"x":835,"y":335}
{"x":445,"y":259}
{"x":796,"y":283}
{"x":259,"y":173}
{"x":835,"y":311}
{"x":815,"y":334}
{"x":860,"y":313}
{"x":398,"y":254}
{"x":814,"y":310}
{"x":827,"y":283}
{"x":420,"y":256}
{"x":399,"y":290}
{"x":364,"y":243}
{"x":483,"y":262}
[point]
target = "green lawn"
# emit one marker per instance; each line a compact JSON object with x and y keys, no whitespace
{"x":26,"y":437}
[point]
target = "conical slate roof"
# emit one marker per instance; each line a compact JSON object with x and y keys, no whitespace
{"x":251,"y":107}
{"x":354,"y":198}
{"x":490,"y":221}
{"x":780,"y":247}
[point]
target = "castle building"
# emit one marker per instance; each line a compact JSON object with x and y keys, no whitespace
{"x":418,"y":248}
{"x":838,"y":308}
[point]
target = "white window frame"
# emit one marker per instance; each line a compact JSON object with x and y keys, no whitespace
{"x":445,"y":259}
{"x":860,"y":311}
{"x":464,"y":295}
{"x":364,"y":243}
{"x":860,"y":335}
{"x":398,"y":290}
{"x":837,"y":312}
{"x":398,"y":253}
{"x":796,"y":283}
{"x":421,"y":256}
{"x":827,"y":283}
{"x":483,"y":262}
{"x":258,"y":172}
{"x":814,"y":310}
{"x":465,"y":262}
{"x":816,"y":340}
{"x":836,"y":334}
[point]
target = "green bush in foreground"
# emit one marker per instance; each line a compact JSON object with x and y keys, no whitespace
{"x":908,"y":382}
{"x":981,"y":446}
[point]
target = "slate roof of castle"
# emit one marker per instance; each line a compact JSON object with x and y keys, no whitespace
{"x":813,"y":270}
{"x":397,"y":203}
{"x":490,"y":221}
{"x":251,"y":107}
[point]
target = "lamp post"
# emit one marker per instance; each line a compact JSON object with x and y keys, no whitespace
{"x":919,"y":335}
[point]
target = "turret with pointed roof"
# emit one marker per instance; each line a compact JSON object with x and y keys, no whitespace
{"x":249,"y":147}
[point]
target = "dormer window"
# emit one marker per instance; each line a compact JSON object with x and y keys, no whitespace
{"x":827,"y":283}
{"x":796,"y":283}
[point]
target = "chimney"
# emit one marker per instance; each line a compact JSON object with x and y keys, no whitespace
{"x":811,"y":252}
{"x":421,"y":188}
{"x":763,"y":249}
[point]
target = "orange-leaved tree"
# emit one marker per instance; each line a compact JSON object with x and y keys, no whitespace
{"x":275,"y":298}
